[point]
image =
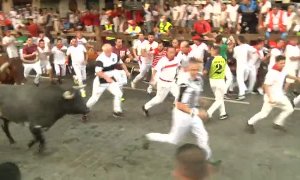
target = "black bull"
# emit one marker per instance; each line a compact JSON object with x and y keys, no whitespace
{"x":39,"y":107}
{"x":11,"y":71}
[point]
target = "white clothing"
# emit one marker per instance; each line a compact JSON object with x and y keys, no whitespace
{"x":108,"y":62}
{"x":82,"y":41}
{"x":11,"y":49}
{"x":34,"y":66}
{"x":232,"y":12}
{"x":59,"y":55}
{"x":284,"y":104}
{"x":276,"y":18}
{"x":43,"y":53}
{"x":198,"y":51}
{"x":181,"y":124}
{"x":290,"y":20}
{"x":77,"y":54}
{"x":208,"y":10}
{"x":291,"y":51}
{"x":275,"y":79}
{"x":141,"y":45}
{"x":183,"y":58}
{"x":241,"y":53}
{"x":273,"y":54}
{"x":265,"y":7}
{"x":46,"y":40}
{"x":218,"y":87}
{"x":167,"y":69}
{"x":60,"y":69}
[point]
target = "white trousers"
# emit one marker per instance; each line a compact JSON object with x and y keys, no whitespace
{"x":163,"y":89}
{"x":116,"y":22}
{"x":121,"y":77}
{"x":216,"y":21}
{"x":297,"y":100}
{"x":144,"y":68}
{"x":80,"y":72}
{"x":34,"y":66}
{"x":60,"y":69}
{"x":181,"y":124}
{"x":282,"y":102}
{"x":218,"y":87}
{"x":98,"y":90}
{"x":252,"y":77}
{"x":229,"y":77}
{"x":241,"y":72}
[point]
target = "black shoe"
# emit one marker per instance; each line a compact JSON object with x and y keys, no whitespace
{"x":223,"y":117}
{"x":250,"y":129}
{"x":36,"y":84}
{"x":118,"y":114}
{"x":145,"y":111}
{"x":280,"y":128}
{"x":59,"y":81}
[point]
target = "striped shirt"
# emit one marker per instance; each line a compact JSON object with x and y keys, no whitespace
{"x":190,"y":91}
{"x":157,"y":56}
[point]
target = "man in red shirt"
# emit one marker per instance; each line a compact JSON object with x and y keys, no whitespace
{"x":33,"y":29}
{"x":158,"y":53}
{"x":202,"y":27}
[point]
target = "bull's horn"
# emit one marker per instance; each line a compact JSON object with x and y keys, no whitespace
{"x":4,"y":66}
{"x":68,"y":95}
{"x":79,"y":87}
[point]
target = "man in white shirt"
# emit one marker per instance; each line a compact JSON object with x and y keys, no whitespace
{"x":44,"y":53}
{"x":176,"y":14}
{"x":105,"y":79}
{"x":44,"y":38}
{"x":292,"y":54}
{"x":59,"y":56}
{"x":198,"y":48}
{"x":241,"y":54}
{"x":208,"y":11}
{"x":276,"y":51}
{"x":276,"y":21}
{"x":81,"y":40}
{"x":141,"y":50}
{"x":274,"y":96}
{"x":166,"y":69}
{"x":9,"y":42}
{"x":216,"y":10}
{"x":79,"y":60}
{"x":232,"y":10}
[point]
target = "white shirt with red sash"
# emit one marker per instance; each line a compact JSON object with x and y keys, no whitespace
{"x":167,"y":69}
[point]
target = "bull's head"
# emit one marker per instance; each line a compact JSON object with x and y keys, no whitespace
{"x":74,"y":103}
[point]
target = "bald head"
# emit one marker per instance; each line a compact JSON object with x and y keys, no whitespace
{"x":107,"y":49}
{"x":185,"y":47}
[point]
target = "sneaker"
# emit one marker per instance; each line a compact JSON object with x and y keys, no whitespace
{"x":250,"y":129}
{"x":240,"y":98}
{"x":145,"y":111}
{"x":149,"y":90}
{"x":223,"y":117}
{"x":215,"y":163}
{"x":132,"y":85}
{"x":36,"y":84}
{"x":280,"y":128}
{"x":122,"y":99}
{"x":83,"y":93}
{"x":118,"y":114}
{"x":226,"y":96}
{"x":260,"y":91}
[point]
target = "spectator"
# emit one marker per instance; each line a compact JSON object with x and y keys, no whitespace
{"x":191,"y":15}
{"x":148,"y":18}
{"x":265,"y":6}
{"x":164,"y":26}
{"x":223,"y":17}
{"x":202,"y":27}
{"x":232,"y":10}
{"x":176,"y":13}
{"x":133,"y":29}
{"x":33,"y":29}
{"x":248,"y":10}
{"x":217,"y":13}
{"x":191,"y":163}
{"x":109,"y":28}
{"x":290,"y":17}
{"x":9,"y":171}
{"x":276,"y":21}
{"x":208,"y":11}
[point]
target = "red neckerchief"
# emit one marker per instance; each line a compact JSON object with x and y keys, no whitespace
{"x":276,"y":68}
{"x":288,"y":14}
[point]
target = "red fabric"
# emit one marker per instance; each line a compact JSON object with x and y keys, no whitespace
{"x":29,"y":50}
{"x":280,"y":23}
{"x":139,"y":18}
{"x":87,"y":19}
{"x":202,"y":27}
{"x":96,"y":19}
{"x":157,"y":56}
{"x":33,"y":29}
{"x":277,"y":68}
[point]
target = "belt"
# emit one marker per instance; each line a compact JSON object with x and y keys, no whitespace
{"x":165,"y":80}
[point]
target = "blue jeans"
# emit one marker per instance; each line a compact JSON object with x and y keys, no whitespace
{"x":282,"y":36}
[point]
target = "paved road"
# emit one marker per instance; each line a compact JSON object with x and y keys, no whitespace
{"x":106,"y":148}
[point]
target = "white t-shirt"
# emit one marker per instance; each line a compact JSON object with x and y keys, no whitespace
{"x":77,"y":54}
{"x":241,"y":54}
{"x":167,"y":69}
{"x":291,"y":51}
{"x":11,"y":49}
{"x":275,"y":79}
{"x":273,"y":54}
{"x":107,"y":64}
{"x":217,"y":8}
{"x":43,"y":53}
{"x":81,"y":41}
{"x":255,"y":57}
{"x":265,"y":7}
{"x":233,"y":12}
{"x":198,"y":51}
{"x":141,"y":45}
{"x":175,"y":12}
{"x":208,"y":9}
{"x":59,"y":55}
{"x":183,"y":58}
{"x":46,"y":40}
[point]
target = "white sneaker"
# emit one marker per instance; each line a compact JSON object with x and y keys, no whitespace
{"x":132,"y":85}
{"x":260,"y":91}
{"x":149,"y":89}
